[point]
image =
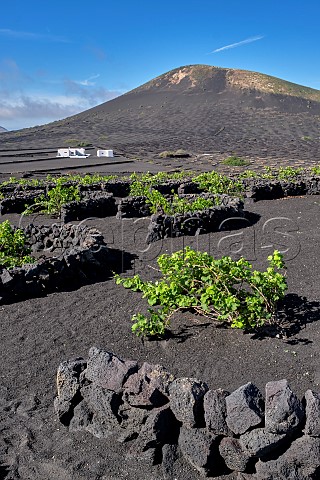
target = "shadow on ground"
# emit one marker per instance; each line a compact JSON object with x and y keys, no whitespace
{"x":3,"y":472}
{"x":118,"y":262}
{"x":249,"y":219}
{"x":294,"y":313}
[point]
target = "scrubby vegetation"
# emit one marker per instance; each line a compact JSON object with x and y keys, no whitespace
{"x":281,"y":173}
{"x":221,"y":289}
{"x":212,"y":181}
{"x":159,"y":202}
{"x":235,"y":161}
{"x":215,"y":182}
{"x":52,"y":202}
{"x":77,"y":178}
{"x":143,"y":185}
{"x":67,"y":187}
{"x":13,"y":249}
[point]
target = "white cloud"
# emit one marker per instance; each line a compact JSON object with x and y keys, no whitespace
{"x":38,"y":107}
{"x":87,"y":82}
{"x":90,"y":96}
{"x":20,"y":111}
{"x":7,"y":32}
{"x":26,"y":101}
{"x":238,"y":44}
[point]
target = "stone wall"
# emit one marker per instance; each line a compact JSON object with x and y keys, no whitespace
{"x":164,"y":418}
{"x":178,"y":186}
{"x":119,"y":188}
{"x":137,"y":206}
{"x":16,"y":197}
{"x":273,"y":189}
{"x":204,"y":221}
{"x":97,"y":204}
{"x":64,"y":254}
{"x":131,"y":207}
{"x":17,"y":202}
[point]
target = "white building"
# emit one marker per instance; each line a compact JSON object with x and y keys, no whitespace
{"x":72,"y":153}
{"x":104,"y":153}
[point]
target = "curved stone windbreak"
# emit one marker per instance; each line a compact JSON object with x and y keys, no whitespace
{"x":18,"y":202}
{"x":13,"y":188}
{"x":18,"y":196}
{"x":97,"y":204}
{"x":137,"y":206}
{"x":64,"y":254}
{"x":119,"y":188}
{"x":131,"y":207}
{"x":204,"y":221}
{"x":274,"y":189}
{"x":177,"y":186}
{"x":163,"y":418}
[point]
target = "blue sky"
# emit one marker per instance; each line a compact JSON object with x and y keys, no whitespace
{"x":61,"y":57}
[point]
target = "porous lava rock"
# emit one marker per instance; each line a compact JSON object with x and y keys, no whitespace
{"x":163,"y":419}
{"x":284,"y":411}
{"x":245,"y":408}
{"x":186,"y":400}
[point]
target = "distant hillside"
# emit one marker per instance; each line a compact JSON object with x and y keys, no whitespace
{"x":199,"y":108}
{"x":2,"y":129}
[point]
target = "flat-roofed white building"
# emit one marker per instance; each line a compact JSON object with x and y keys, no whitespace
{"x":72,"y":152}
{"x":104,"y":153}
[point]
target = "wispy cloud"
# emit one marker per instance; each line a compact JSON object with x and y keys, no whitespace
{"x":238,"y":44}
{"x":88,"y":81}
{"x":7,"y":32}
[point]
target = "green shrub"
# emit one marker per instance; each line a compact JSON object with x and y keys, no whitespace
{"x":183,"y":205}
{"x":13,"y":249}
{"x":87,"y":179}
{"x":159,"y":203}
{"x":55,"y":198}
{"x":282,"y":173}
{"x":249,"y":174}
{"x":234,"y":161}
{"x":22,"y":181}
{"x":215,"y":182}
{"x":221,"y":289}
{"x":287,"y":173}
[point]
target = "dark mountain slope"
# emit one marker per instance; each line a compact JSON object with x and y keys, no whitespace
{"x":199,"y":108}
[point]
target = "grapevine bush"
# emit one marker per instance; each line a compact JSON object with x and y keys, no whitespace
{"x":215,"y":182}
{"x":159,"y":203}
{"x":52,"y":202}
{"x":221,"y":289}
{"x":143,"y":186}
{"x":13,"y":249}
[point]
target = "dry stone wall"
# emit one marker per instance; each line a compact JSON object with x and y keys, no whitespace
{"x":98,"y":204}
{"x":17,"y":196}
{"x":65,"y":254}
{"x":163,"y":419}
{"x":273,"y":189}
{"x":18,"y":202}
{"x":204,"y":221}
{"x":131,"y":207}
